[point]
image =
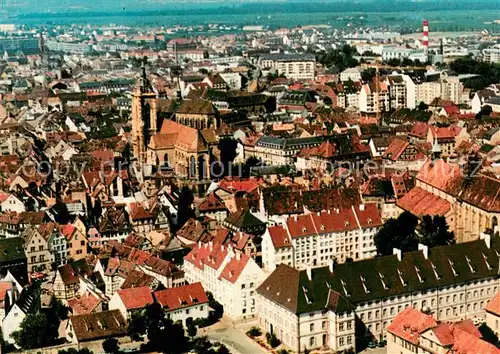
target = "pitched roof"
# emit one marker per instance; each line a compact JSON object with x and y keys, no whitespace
{"x":395,"y":149}
{"x":419,"y":202}
{"x":197,"y":107}
{"x":99,"y":325}
{"x":279,"y":237}
{"x":136,"y":279}
{"x":244,"y":219}
{"x":173,"y":134}
{"x":136,"y":298}
{"x":84,"y":304}
{"x":361,"y":281}
{"x":180,"y":297}
{"x":212,"y":203}
{"x":494,"y":305}
{"x":410,"y":324}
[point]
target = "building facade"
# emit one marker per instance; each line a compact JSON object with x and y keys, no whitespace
{"x":331,"y":305}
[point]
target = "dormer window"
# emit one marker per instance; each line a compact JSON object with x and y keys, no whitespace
{"x":452,"y":267}
{"x":486,"y":261}
{"x":470,"y":264}
{"x":304,"y":229}
{"x":322,"y":228}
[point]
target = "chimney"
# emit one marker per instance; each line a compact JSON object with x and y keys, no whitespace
{"x":210,"y":244}
{"x":331,"y":265}
{"x":487,"y":239}
{"x":238,"y":255}
{"x":309,"y":273}
{"x":425,"y":250}
{"x":397,"y":252}
{"x":425,"y":39}
{"x":361,"y":207}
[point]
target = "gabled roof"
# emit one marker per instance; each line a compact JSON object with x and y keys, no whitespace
{"x":136,"y":298}
{"x":410,"y":324}
{"x":99,"y":325}
{"x":85,"y":304}
{"x":197,"y":107}
{"x":494,"y":305}
{"x":361,"y":281}
{"x":181,"y":297}
{"x":419,"y":202}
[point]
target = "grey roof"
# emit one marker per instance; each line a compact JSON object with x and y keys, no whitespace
{"x":290,"y":143}
{"x":381,"y":277}
{"x":493,"y":100}
{"x":289,"y":57}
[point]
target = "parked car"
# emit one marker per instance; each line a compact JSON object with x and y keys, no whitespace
{"x":372,"y":344}
{"x":382,"y":343}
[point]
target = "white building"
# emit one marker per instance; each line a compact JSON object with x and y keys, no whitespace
{"x":491,"y":55}
{"x":228,"y":274}
{"x":413,"y":331}
{"x":318,"y":307}
{"x":318,"y":238}
{"x":350,"y":74}
{"x":186,"y":303}
{"x":293,"y":66}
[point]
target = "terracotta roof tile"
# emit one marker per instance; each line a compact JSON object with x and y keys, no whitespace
{"x":136,"y":298}
{"x":181,"y":297}
{"x":420,"y":202}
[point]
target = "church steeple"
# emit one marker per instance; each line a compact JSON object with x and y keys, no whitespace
{"x":141,"y":114}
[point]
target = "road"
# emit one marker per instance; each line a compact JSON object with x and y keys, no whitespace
{"x":236,"y":341}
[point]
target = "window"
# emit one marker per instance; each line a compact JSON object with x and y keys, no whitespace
{"x":40,"y":248}
{"x":341,"y":341}
{"x":349,"y":325}
{"x":311,"y":327}
{"x":349,"y":340}
{"x":32,"y":249}
{"x":323,"y":325}
{"x":341,"y":326}
{"x":82,"y":243}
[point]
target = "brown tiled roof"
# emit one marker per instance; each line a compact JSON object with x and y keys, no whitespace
{"x":420,"y":202}
{"x":137,"y":278}
{"x":444,"y":266}
{"x":180,"y":297}
{"x":99,"y":325}
{"x":85,"y":304}
{"x":197,"y":107}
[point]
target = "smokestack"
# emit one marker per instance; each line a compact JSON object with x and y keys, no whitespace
{"x":425,"y":39}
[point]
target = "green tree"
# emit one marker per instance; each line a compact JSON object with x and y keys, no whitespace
{"x":34,"y":332}
{"x":137,"y":326}
{"x":397,"y":233}
{"x":185,"y":211}
{"x":367,"y":75}
{"x":422,"y":106}
{"x":488,"y":335}
{"x":75,"y":351}
{"x":223,"y":350}
{"x":434,"y":231}
{"x":110,"y":346}
{"x":192,"y":330}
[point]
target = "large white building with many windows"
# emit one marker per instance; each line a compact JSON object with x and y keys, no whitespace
{"x":293,"y":66}
{"x":230,"y":275}
{"x":319,"y":307}
{"x":316,"y":239}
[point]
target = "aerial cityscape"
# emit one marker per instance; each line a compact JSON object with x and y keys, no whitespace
{"x":246,"y":177}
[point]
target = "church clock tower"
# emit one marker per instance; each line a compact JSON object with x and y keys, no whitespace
{"x":142,"y":129}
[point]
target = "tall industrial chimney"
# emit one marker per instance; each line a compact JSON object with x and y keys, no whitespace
{"x":425,"y":39}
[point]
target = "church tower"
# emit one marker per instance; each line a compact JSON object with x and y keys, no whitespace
{"x":142,"y":129}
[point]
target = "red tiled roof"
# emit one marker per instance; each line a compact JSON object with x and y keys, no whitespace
{"x":138,"y":212}
{"x":466,"y":343}
{"x":395,"y":149}
{"x":136,"y":298}
{"x":4,"y":287}
{"x":279,"y":237}
{"x":494,"y":305}
{"x":445,"y":132}
{"x":68,"y":230}
{"x":419,"y":130}
{"x":208,"y":254}
{"x":247,"y":185}
{"x":410,"y":323}
{"x":85,"y":304}
{"x":420,"y":202}
{"x":234,"y":267}
{"x":211,"y":203}
{"x":180,"y":297}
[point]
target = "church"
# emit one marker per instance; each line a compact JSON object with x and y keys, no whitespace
{"x":175,"y":134}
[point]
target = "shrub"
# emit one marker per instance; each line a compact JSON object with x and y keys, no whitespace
{"x":254,"y":332}
{"x":272,"y":340}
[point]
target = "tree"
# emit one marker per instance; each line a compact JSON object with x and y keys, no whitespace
{"x":185,"y":211}
{"x":272,"y":340}
{"x":434,"y":231}
{"x":223,"y":349}
{"x":191,"y":330}
{"x":110,"y":346}
{"x":34,"y":332}
{"x":202,"y":345}
{"x":254,"y":332}
{"x":397,"y":233}
{"x":488,"y":335}
{"x":367,"y":75}
{"x":203,"y":71}
{"x":75,"y":351}
{"x":422,"y":106}
{"x":137,"y":326}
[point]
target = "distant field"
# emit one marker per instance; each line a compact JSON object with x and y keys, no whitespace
{"x":452,"y":16}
